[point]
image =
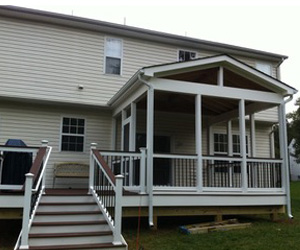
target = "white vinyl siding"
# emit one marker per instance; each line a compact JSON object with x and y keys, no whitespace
{"x":48,"y":62}
{"x":33,"y":123}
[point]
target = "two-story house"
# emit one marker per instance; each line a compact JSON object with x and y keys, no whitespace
{"x":187,"y":122}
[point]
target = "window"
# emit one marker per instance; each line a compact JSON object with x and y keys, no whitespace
{"x":264,"y":67}
{"x":72,"y":137}
{"x":113,"y":56}
{"x":184,"y":55}
{"x":221,"y":144}
{"x":221,"y":148}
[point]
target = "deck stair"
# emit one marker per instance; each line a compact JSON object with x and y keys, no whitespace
{"x":70,"y":219}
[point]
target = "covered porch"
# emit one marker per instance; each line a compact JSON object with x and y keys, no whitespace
{"x":202,"y":127}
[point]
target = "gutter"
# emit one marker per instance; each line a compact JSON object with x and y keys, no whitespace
{"x":287,"y":172}
{"x":149,"y":147}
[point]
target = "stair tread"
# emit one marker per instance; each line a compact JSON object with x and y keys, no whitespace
{"x":68,"y":212}
{"x":77,"y":234}
{"x":77,"y":246}
{"x":67,"y":203}
{"x":69,"y":223}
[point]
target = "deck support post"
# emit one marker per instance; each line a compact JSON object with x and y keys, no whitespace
{"x":198,"y":133}
{"x":150,"y":135}
{"x":118,"y":210}
{"x":284,"y":155}
{"x":92,"y":167}
{"x":242,"y":127}
{"x":26,"y":211}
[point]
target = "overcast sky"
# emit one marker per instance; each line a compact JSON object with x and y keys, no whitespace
{"x":269,"y":25}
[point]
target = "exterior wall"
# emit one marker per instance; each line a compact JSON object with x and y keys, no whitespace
{"x":48,"y":62}
{"x":181,"y":129}
{"x":33,"y":123}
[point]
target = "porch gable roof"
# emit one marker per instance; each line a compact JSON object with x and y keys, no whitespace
{"x":223,"y":60}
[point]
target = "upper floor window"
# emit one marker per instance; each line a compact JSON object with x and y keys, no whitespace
{"x":184,"y":55}
{"x":72,"y":136}
{"x":113,"y":56}
{"x":264,"y":67}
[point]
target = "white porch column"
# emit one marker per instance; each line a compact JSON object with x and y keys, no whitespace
{"x":284,"y":156}
{"x":198,"y":133}
{"x":252,"y":135}
{"x":221,"y":77}
{"x":150,"y":135}
{"x":242,"y":127}
{"x":229,"y":138}
{"x":114,"y":133}
{"x":230,"y":150}
{"x":132,"y":132}
{"x":123,"y":118}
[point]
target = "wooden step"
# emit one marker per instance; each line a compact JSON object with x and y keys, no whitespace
{"x":102,"y":246}
{"x":78,"y":234}
{"x":69,"y":226}
{"x":68,"y":223}
{"x":50,"y":239}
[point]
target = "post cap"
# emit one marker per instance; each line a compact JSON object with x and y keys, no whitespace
{"x":29,"y":175}
{"x":44,"y":143}
{"x":119,"y":176}
{"x":93,"y":145}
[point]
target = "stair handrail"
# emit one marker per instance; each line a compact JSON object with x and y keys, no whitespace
{"x":116,"y":183}
{"x":34,"y":184}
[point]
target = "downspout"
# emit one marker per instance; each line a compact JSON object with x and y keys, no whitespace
{"x":149,"y":166}
{"x":287,"y":170}
{"x":278,"y":73}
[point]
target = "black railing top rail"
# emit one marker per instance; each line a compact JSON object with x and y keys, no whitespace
{"x":104,"y":165}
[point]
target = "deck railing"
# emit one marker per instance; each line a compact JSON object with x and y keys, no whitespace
{"x":179,"y":171}
{"x":226,"y":172}
{"x":33,"y":187}
{"x":4,"y":150}
{"x":222,"y":172}
{"x":264,"y":173}
{"x":174,"y":170}
{"x":107,"y":190}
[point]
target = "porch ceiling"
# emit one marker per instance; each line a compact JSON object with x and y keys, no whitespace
{"x":183,"y":103}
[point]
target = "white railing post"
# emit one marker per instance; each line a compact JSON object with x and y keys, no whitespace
{"x":26,"y":211}
{"x":118,"y":210}
{"x":44,"y":144}
{"x":142,"y":170}
{"x":92,"y":167}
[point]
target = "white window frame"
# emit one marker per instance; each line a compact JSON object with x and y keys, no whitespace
{"x":261,"y":67}
{"x":233,"y":153}
{"x":61,"y":133}
{"x":105,"y":52}
{"x":186,"y":50}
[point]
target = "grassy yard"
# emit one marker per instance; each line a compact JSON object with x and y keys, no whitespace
{"x":264,"y":234}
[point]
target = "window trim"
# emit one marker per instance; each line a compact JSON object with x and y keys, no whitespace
{"x":104,"y":55}
{"x":61,"y":133}
{"x":186,"y":50}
